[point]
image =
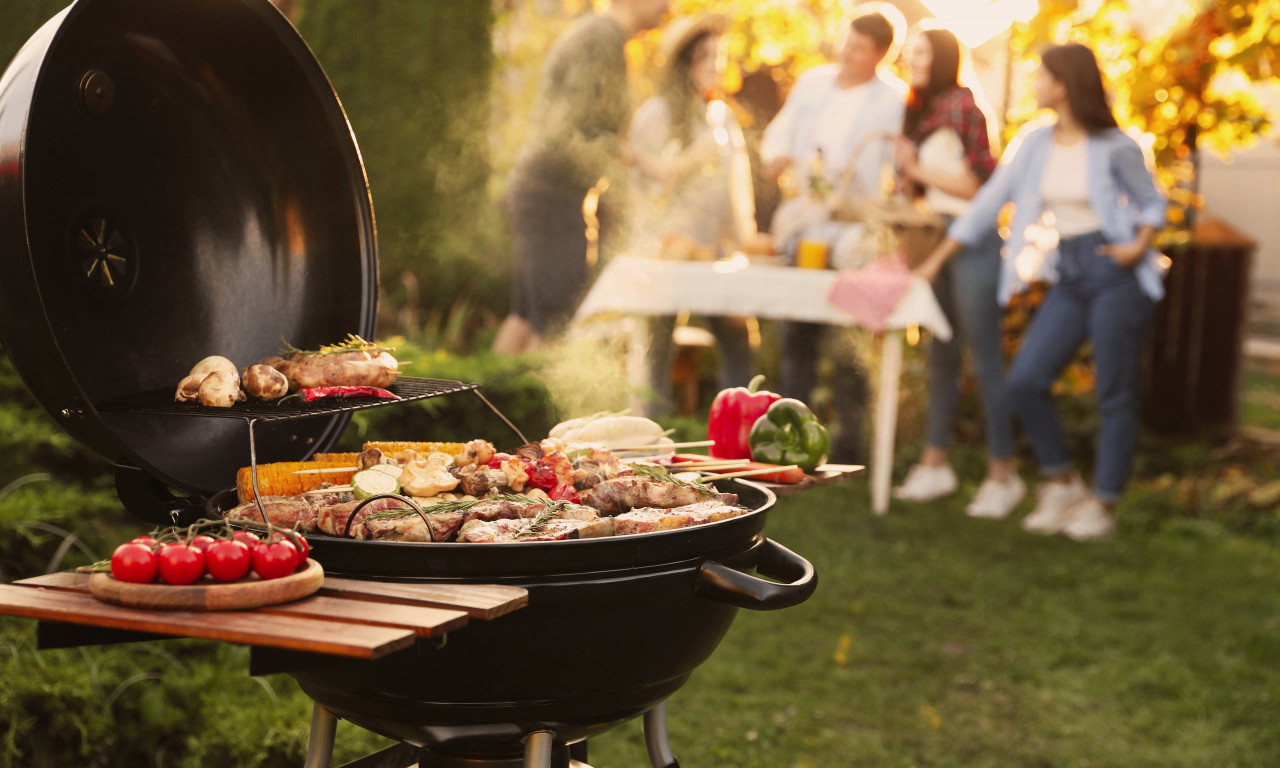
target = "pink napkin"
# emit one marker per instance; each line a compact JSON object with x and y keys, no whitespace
{"x":872,"y":293}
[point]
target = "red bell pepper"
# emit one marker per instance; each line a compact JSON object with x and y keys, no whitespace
{"x":733,"y":412}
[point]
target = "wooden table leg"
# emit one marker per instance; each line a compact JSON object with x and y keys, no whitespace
{"x":886,"y":420}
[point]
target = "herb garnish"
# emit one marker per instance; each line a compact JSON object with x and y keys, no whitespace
{"x":352,"y":343}
{"x":664,"y":475}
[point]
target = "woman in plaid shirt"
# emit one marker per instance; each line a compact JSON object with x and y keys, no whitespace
{"x":944,"y":156}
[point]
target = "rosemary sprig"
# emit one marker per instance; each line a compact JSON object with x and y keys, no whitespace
{"x":664,"y":475}
{"x":352,"y":343}
{"x":552,"y":510}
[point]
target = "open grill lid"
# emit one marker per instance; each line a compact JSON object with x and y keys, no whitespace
{"x":176,"y":180}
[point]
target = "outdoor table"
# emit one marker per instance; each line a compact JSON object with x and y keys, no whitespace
{"x":737,"y":286}
{"x":346,"y":617}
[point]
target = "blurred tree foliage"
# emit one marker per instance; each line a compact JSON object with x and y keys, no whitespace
{"x":1178,"y":72}
{"x":414,"y":79}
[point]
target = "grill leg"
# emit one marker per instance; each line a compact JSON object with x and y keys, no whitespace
{"x":655,"y":737}
{"x":537,"y":749}
{"x":320,"y":742}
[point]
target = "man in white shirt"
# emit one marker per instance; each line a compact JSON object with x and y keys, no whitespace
{"x":839,"y":109}
{"x":845,"y":113}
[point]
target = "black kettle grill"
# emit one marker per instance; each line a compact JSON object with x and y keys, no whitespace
{"x":179,"y":180}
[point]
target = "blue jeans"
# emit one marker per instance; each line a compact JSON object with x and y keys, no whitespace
{"x":1096,"y":300}
{"x":966,"y":290}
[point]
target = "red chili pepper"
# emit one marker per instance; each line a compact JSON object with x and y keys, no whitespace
{"x":317,"y":393}
{"x":733,"y":412}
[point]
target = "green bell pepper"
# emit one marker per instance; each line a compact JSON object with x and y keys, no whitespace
{"x":789,"y":433}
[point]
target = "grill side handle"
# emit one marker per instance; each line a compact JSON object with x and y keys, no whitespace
{"x":795,"y":578}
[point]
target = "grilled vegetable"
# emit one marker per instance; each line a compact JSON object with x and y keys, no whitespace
{"x":373,"y":482}
{"x":789,"y":433}
{"x":264,"y":382}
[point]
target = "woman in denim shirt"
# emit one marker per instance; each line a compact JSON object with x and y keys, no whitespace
{"x":1086,"y":210}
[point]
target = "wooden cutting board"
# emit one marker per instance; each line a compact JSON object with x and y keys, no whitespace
{"x":249,"y":592}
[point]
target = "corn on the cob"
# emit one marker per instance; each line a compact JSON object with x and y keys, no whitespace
{"x":392,"y":447}
{"x":343,"y":459}
{"x":282,"y":478}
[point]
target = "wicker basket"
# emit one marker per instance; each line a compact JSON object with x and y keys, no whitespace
{"x":913,"y":231}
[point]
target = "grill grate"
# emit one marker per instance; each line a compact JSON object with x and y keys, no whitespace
{"x":162,"y":402}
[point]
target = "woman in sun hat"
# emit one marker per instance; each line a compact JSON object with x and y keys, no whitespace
{"x":692,"y":184}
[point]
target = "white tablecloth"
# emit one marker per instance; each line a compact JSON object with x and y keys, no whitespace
{"x":632,"y":286}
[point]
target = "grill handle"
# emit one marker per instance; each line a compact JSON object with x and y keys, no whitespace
{"x":796,"y":580}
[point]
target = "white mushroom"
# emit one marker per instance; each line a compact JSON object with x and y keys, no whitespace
{"x":213,"y":363}
{"x":220,"y":389}
{"x":264,"y":382}
{"x":188,"y":389}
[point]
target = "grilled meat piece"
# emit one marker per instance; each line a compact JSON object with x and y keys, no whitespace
{"x":283,"y":512}
{"x":439,"y":526}
{"x":650,"y":519}
{"x":620,"y":494}
{"x":555,"y":529}
{"x":332,"y":518}
{"x":355,"y":368}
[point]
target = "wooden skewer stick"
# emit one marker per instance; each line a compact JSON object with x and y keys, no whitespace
{"x":703,"y":466}
{"x":749,"y":472}
{"x":665,"y":446}
{"x":325,"y":469}
{"x":330,"y":489}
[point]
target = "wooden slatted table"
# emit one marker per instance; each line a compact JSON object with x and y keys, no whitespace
{"x":347,"y":617}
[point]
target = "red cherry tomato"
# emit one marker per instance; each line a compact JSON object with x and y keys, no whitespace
{"x":228,"y":560}
{"x":201,"y":541}
{"x":180,"y":563}
{"x":146,"y":541}
{"x":249,"y":538}
{"x":272,"y":560}
{"x":133,"y":562}
{"x":496,"y":461}
{"x":565,"y":492}
{"x":542,"y":475}
{"x":304,"y":548}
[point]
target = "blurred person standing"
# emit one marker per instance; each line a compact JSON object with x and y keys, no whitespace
{"x":1086,"y":210}
{"x":579,"y":114}
{"x":836,"y":120}
{"x":692,"y":186}
{"x":943,"y":156}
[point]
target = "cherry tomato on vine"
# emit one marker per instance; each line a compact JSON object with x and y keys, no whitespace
{"x":201,"y":541}
{"x":304,"y":548}
{"x":249,"y":538}
{"x":228,"y":560}
{"x":133,"y":562}
{"x":180,"y":563}
{"x":146,"y":541}
{"x":275,"y":559}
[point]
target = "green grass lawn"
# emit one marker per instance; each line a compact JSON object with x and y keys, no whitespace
{"x":937,"y":640}
{"x":933,"y":640}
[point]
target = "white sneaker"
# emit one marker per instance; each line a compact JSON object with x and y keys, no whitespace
{"x":1090,"y":522}
{"x":996,"y":499}
{"x":924,"y":483}
{"x":1056,"y":506}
